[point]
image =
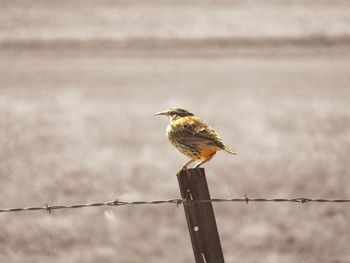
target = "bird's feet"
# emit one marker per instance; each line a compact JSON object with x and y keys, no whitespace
{"x":184,"y":168}
{"x":200,"y":163}
{"x":197,"y":165}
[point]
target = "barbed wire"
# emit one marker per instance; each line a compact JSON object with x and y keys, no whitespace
{"x":176,"y":201}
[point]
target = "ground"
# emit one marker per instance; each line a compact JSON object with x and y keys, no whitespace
{"x":79,"y":128}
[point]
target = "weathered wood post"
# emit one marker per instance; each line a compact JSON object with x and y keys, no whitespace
{"x":200,"y":216}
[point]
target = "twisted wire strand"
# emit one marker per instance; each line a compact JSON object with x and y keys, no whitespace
{"x":176,"y":201}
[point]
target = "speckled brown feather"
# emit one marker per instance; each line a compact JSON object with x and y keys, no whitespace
{"x":195,"y":138}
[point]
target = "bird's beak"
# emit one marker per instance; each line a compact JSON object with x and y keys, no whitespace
{"x":161,"y":113}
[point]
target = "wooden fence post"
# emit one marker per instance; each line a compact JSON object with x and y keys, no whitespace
{"x":200,"y":216}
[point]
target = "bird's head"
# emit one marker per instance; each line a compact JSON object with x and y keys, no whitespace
{"x":175,"y":113}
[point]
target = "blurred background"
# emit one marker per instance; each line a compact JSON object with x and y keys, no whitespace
{"x":80,"y":80}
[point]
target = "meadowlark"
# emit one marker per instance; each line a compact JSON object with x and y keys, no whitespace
{"x":193,"y":137}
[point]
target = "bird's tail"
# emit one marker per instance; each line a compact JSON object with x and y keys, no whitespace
{"x":229,"y":149}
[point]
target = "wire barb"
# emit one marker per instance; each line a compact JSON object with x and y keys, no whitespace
{"x":179,"y":202}
{"x":176,"y":201}
{"x":48,"y":208}
{"x":246,"y":198}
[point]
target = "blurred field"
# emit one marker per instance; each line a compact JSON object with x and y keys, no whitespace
{"x":120,"y":20}
{"x":80,"y":80}
{"x":79,"y":128}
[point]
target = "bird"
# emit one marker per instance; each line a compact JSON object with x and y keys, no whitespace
{"x":193,"y":137}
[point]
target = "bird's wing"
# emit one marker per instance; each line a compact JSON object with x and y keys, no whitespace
{"x":198,"y":130}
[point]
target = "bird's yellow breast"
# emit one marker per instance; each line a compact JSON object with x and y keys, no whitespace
{"x":195,"y":151}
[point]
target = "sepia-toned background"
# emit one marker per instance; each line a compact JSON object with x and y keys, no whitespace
{"x":80,"y":80}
